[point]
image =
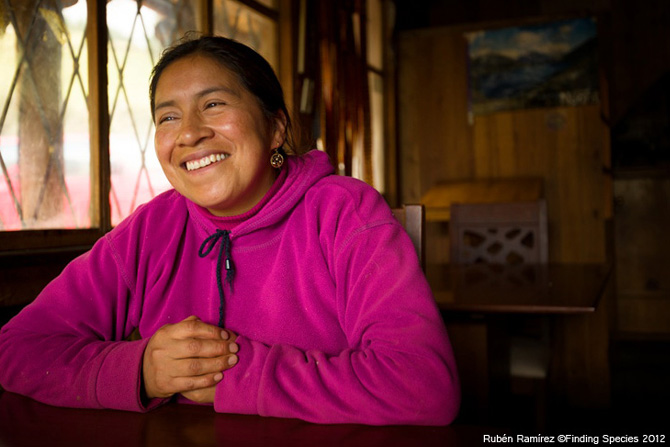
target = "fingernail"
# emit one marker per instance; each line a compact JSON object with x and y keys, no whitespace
{"x":224,"y":335}
{"x":233,"y":347}
{"x":232,"y":360}
{"x":218,"y":377}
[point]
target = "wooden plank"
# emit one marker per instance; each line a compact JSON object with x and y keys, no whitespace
{"x":642,"y":262}
{"x":580,"y":374}
{"x":469,"y":340}
{"x":287,"y":57}
{"x":23,"y":276}
{"x":440,"y":197}
{"x":434,"y":135}
{"x":643,"y":314}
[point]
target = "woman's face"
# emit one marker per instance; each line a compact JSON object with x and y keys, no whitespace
{"x":212,"y":139}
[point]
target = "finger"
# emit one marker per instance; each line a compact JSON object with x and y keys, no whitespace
{"x":193,"y":327}
{"x":199,"y":348}
{"x":194,"y":383}
{"x":203,"y":366}
{"x":229,"y":335}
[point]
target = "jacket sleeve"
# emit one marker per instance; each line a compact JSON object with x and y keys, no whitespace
{"x":66,"y":347}
{"x":398,"y":367}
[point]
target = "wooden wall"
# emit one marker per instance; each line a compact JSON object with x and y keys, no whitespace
{"x":568,"y":147}
{"x":643,"y":255}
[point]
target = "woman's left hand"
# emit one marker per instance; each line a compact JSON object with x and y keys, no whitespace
{"x":206,"y":395}
{"x":203,"y":395}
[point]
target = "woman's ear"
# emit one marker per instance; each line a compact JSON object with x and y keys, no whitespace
{"x":279,"y":129}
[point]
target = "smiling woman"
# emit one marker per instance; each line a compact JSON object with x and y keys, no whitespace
{"x":314,"y":306}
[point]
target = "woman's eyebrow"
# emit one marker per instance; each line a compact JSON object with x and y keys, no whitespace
{"x":217,"y":89}
{"x":164,"y":104}
{"x":200,"y":94}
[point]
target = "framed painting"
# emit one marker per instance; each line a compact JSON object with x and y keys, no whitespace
{"x":544,"y":65}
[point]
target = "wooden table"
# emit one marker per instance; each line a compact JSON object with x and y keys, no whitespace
{"x":520,"y":289}
{"x":482,"y":303}
{"x":24,"y":422}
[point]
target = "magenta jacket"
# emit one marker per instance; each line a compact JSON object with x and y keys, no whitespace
{"x":336,"y":321}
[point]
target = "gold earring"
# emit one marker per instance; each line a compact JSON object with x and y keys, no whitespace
{"x":276,"y":159}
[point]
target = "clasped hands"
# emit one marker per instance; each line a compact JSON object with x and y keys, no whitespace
{"x":188,"y":358}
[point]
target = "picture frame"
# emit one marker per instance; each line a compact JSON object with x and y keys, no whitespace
{"x":550,"y":64}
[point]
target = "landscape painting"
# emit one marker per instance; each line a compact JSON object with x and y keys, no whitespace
{"x":546,"y":65}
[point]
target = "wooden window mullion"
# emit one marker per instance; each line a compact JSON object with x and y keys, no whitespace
{"x":99,"y":115}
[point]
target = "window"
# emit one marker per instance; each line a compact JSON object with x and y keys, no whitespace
{"x":257,"y":28}
{"x":353,"y":112}
{"x":76,"y":140}
{"x":44,"y":143}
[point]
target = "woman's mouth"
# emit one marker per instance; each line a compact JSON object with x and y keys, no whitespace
{"x":204,"y":161}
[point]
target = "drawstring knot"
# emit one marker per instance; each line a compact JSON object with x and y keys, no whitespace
{"x":224,"y":250}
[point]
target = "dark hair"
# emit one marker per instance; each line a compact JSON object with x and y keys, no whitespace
{"x":251,"y":69}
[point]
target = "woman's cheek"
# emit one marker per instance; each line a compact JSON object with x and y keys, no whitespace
{"x":161,"y":143}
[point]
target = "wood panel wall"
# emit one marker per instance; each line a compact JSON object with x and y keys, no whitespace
{"x":568,"y":147}
{"x":643,"y":255}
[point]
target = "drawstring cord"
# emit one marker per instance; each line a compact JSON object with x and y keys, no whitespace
{"x":224,"y":249}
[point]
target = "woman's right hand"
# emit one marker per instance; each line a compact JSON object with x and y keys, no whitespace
{"x":187,"y":356}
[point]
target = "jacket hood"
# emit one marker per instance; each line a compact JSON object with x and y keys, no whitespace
{"x":303,"y":172}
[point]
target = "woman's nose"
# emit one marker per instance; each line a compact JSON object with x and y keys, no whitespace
{"x":192,"y":130}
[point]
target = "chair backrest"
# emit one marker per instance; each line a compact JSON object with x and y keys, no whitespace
{"x":499,"y":233}
{"x":413,"y":218}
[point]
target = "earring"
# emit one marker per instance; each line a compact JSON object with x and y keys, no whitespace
{"x":276,"y":159}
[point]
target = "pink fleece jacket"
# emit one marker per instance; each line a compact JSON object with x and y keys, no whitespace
{"x":336,"y":321}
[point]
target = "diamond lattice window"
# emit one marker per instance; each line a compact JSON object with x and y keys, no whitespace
{"x":138,"y":33}
{"x":44,"y":135}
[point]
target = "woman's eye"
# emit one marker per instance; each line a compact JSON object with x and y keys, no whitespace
{"x":165,"y":118}
{"x":209,"y":105}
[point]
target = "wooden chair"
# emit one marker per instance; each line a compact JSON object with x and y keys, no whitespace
{"x":413,"y":218}
{"x":510,"y":233}
{"x":499,"y":233}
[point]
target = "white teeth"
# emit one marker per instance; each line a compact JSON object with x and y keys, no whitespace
{"x":204,"y":161}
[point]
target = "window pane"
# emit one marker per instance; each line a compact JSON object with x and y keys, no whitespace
{"x":239,"y":22}
{"x":376,"y":86}
{"x":136,"y":40}
{"x":44,"y":139}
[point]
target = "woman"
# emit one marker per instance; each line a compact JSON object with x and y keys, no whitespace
{"x":261,"y":284}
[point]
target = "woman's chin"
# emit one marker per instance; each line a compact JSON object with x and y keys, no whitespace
{"x":217,"y":208}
